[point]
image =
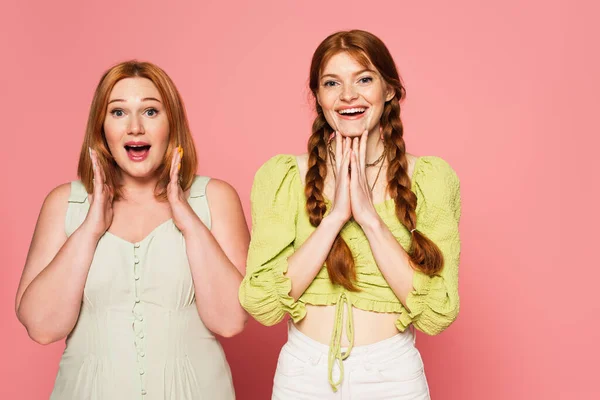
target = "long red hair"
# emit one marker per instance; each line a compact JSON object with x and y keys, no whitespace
{"x":367,"y":49}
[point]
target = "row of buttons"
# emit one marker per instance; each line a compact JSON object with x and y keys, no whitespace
{"x":138,"y":327}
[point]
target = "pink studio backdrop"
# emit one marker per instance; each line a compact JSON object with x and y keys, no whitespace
{"x":505,"y":91}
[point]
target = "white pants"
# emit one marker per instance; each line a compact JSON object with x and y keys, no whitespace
{"x":390,"y":369}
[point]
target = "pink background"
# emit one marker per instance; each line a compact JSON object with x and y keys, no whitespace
{"x":506,"y":91}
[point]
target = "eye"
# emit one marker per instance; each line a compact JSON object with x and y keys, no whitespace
{"x":365,"y":79}
{"x":329,"y":83}
{"x":151,"y":112}
{"x":117,"y":112}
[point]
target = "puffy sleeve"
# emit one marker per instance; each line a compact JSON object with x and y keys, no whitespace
{"x":434,"y":302}
{"x":265,"y":290}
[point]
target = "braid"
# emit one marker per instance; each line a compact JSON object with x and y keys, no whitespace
{"x":340,"y":262}
{"x":424,"y":254}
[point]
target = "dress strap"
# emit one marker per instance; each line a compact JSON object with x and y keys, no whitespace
{"x":198,"y":199}
{"x":78,"y":207}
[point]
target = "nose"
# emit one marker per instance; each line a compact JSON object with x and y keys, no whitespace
{"x":348,"y":93}
{"x":136,"y":126}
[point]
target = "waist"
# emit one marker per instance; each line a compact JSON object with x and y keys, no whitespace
{"x":369,"y":326}
{"x":121,"y":330}
{"x":308,"y":349}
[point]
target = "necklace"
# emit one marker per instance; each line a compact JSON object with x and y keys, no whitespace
{"x":332,"y":160}
{"x":374,"y":163}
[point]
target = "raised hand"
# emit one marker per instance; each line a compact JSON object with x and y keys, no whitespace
{"x":100,"y":215}
{"x":341,"y":207}
{"x":363,"y":210}
{"x":183,"y":214}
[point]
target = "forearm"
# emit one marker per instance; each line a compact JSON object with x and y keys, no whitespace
{"x":50,"y":305}
{"x":216,"y":282}
{"x":307,"y":261}
{"x":391,"y":258}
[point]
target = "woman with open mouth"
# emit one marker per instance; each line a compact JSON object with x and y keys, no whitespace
{"x":357,"y":240}
{"x":139,"y":262}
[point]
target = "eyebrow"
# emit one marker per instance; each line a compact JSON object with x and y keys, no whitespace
{"x":144,"y":99}
{"x":356,"y":73}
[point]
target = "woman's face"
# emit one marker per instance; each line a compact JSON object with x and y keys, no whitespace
{"x":136,"y":127}
{"x":352,"y":97}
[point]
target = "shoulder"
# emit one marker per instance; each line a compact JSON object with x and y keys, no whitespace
{"x":434,"y":169}
{"x":221,"y":191}
{"x":436,"y":185}
{"x":277,"y":170}
{"x":277,"y":179}
{"x":54,"y":208}
{"x":279,"y":165}
{"x":58,"y":197}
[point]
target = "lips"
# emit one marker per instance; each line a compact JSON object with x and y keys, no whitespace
{"x":137,"y":151}
{"x":352,"y":112}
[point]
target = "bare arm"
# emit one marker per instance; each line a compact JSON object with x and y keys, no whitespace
{"x":391,"y":258}
{"x":217,"y":257}
{"x":51,"y":287}
{"x":218,"y":260}
{"x":307,"y":261}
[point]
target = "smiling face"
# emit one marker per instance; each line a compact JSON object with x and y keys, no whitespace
{"x":351,"y":95}
{"x":136,"y":127}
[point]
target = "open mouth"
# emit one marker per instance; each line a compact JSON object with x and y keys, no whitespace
{"x":352,"y":112}
{"x":137,"y":152}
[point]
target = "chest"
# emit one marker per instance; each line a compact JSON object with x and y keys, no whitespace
{"x":153,"y":270}
{"x":134,"y":222}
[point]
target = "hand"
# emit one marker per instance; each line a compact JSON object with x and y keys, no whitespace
{"x":341,"y":207}
{"x":361,"y":197}
{"x":100,"y":215}
{"x":182,"y":212}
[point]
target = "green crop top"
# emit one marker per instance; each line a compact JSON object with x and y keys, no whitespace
{"x":280,"y":225}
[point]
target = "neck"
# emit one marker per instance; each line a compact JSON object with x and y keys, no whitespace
{"x":138,"y":188}
{"x":374,"y":145}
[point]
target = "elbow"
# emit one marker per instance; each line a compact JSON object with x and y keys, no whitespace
{"x":233,"y":327}
{"x":231,"y":331}
{"x":43,"y":338}
{"x":37,"y":332}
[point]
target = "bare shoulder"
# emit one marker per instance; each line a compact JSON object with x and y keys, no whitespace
{"x":220,"y":192}
{"x":57,"y":200}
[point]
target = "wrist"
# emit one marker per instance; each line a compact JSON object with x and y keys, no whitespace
{"x":335,"y":221}
{"x":90,"y":231}
{"x":372,"y":225}
{"x":193,"y":228}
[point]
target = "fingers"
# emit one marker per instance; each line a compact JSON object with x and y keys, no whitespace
{"x":362,"y":157}
{"x":176,"y":164}
{"x":354,"y":166}
{"x":339,"y":151}
{"x":344,"y":171}
{"x":98,"y":180}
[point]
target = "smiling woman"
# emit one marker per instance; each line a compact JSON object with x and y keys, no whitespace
{"x":353,"y":259}
{"x":146,"y":255}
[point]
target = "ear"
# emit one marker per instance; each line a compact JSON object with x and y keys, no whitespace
{"x":318,"y":99}
{"x":390,"y":93}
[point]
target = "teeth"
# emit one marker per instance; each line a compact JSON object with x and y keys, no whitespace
{"x":352,"y":110}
